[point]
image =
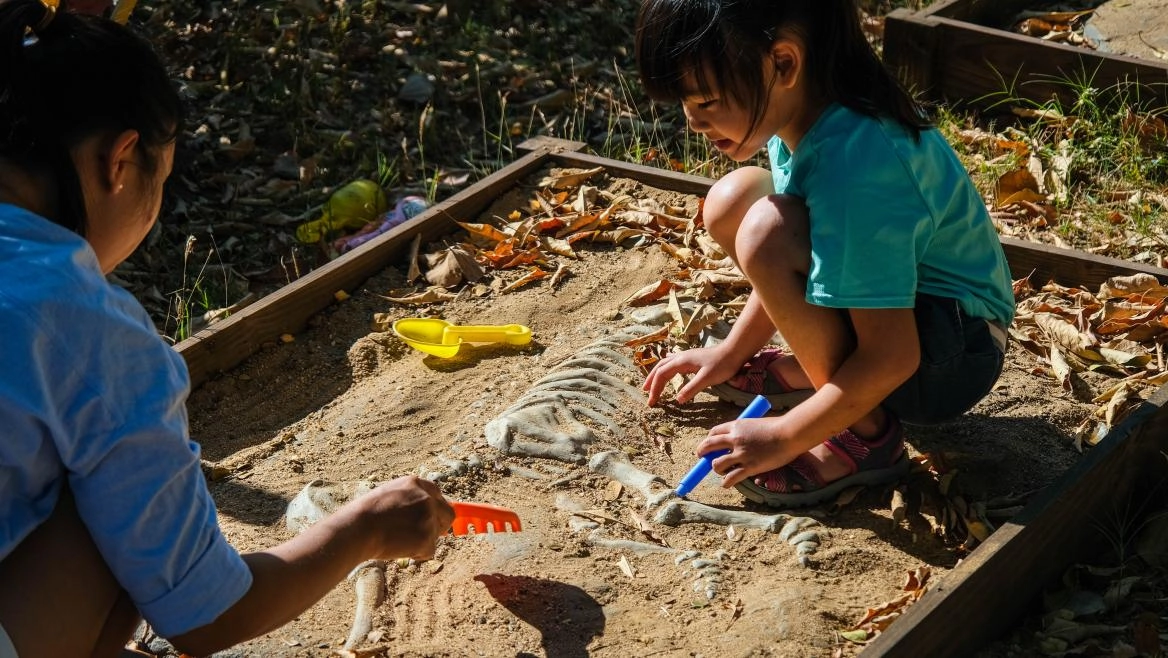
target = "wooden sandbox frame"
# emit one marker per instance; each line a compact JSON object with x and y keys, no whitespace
{"x":973,"y":604}
{"x":946,"y":52}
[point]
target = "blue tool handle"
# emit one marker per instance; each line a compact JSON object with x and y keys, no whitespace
{"x":756,"y":409}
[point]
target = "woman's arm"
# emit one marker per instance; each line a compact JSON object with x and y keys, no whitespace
{"x":402,"y":518}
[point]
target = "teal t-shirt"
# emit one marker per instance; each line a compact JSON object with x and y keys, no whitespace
{"x":892,"y":216}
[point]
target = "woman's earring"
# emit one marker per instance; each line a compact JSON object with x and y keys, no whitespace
{"x":119,"y":188}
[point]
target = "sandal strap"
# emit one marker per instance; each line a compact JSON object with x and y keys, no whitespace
{"x":799,"y":475}
{"x":863,"y":455}
{"x":757,"y":370}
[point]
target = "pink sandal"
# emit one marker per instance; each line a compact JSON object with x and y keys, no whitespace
{"x":760,"y":380}
{"x":799,"y":484}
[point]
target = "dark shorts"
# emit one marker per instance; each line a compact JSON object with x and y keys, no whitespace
{"x":960,"y":361}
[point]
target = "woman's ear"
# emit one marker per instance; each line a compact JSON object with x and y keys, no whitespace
{"x":119,"y":159}
{"x":787,"y":55}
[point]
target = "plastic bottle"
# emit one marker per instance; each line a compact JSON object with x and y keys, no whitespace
{"x":349,"y":208}
{"x":406,"y":209}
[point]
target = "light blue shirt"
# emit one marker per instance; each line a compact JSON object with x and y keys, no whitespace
{"x":92,"y":396}
{"x":892,"y":216}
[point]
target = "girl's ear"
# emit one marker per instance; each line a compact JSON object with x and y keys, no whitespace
{"x":787,"y":55}
{"x":120,"y":158}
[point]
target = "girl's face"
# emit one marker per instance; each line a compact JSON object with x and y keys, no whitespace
{"x":727,"y":123}
{"x":123,"y":194}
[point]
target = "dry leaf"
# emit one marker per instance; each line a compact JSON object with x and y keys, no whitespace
{"x":559,"y":274}
{"x":646,"y":528}
{"x":899,"y":508}
{"x":626,"y":567}
{"x":649,"y":294}
{"x":1016,"y":186}
{"x":428,"y":296}
{"x":613,"y":490}
{"x":414,"y":271}
{"x":448,"y":268}
{"x":570,"y":179}
{"x":534,"y":275}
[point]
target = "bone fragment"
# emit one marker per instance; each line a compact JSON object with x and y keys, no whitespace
{"x":685,"y":555}
{"x":616,"y":465}
{"x":370,"y":587}
{"x":806,"y":535}
{"x":794,"y":525}
{"x":637,"y":547}
{"x":318,"y":499}
{"x":677,"y":512}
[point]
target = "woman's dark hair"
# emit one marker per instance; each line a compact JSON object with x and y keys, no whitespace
{"x":66,"y":77}
{"x":720,"y":44}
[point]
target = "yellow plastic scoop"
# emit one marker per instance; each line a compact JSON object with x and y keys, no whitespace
{"x":440,"y":338}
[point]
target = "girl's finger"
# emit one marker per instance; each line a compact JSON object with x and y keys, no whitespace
{"x":733,"y":477}
{"x":712,"y":443}
{"x":726,"y":463}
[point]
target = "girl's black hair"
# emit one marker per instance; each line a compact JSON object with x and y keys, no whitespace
{"x":720,"y":44}
{"x":67,"y":77}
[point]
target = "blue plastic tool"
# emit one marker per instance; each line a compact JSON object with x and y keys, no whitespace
{"x":756,"y":409}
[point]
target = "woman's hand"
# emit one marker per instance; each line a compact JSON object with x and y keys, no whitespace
{"x":756,"y":445}
{"x":404,"y":518}
{"x":708,"y":365}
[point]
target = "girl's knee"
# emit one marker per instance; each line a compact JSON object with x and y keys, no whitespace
{"x":775,"y":227}
{"x":731,"y":197}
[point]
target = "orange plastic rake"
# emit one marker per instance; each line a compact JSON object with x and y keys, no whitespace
{"x":480,"y":518}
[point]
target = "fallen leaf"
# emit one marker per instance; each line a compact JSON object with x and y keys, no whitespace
{"x":428,"y":296}
{"x":857,"y":636}
{"x":534,"y":275}
{"x":649,"y":294}
{"x":485,"y":233}
{"x":414,"y":271}
{"x":899,"y":508}
{"x":448,"y":268}
{"x":739,"y":606}
{"x":626,"y":567}
{"x":613,"y":490}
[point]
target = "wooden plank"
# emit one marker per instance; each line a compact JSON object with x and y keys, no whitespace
{"x":1043,"y":263}
{"x":661,"y":178}
{"x":550,"y":144}
{"x":982,"y":12}
{"x":998,"y":583}
{"x":981,"y":65}
{"x":911,"y":51}
{"x":225,"y":344}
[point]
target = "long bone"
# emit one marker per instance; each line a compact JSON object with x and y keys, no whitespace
{"x":616,"y":466}
{"x":675,"y":511}
{"x":369,"y":583}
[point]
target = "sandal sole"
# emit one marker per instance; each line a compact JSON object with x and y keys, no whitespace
{"x":779,"y":401}
{"x":870,"y":477}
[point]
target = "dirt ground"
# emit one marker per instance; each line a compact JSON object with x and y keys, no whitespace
{"x":346,"y":402}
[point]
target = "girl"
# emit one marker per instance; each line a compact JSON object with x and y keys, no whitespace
{"x":867,"y":246}
{"x":104,"y":513}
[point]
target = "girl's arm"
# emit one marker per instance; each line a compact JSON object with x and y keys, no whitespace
{"x":402,"y":518}
{"x":887,"y":353}
{"x":713,"y":365}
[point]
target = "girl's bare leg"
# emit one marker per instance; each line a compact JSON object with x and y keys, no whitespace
{"x":773,"y":248}
{"x":59,"y":597}
{"x":726,"y":206}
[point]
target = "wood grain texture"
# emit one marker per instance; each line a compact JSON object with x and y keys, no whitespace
{"x":999,"y":582}
{"x":944,"y":58}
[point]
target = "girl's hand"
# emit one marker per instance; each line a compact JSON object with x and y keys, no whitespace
{"x":756,"y":445}
{"x":708,"y":365}
{"x":404,"y":518}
